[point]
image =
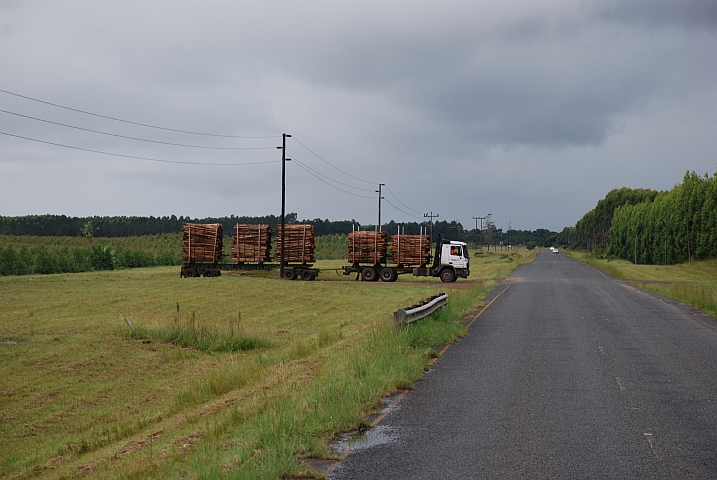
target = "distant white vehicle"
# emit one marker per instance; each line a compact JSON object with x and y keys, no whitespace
{"x":555,"y":250}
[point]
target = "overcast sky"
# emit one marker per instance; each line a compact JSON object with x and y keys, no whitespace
{"x":529,"y":110}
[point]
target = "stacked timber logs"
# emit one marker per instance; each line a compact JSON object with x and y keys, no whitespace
{"x":202,"y":242}
{"x":411,"y":249}
{"x":367,"y":247}
{"x":299,"y":245}
{"x":252,"y":243}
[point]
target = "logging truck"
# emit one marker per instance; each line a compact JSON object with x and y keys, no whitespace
{"x":251,"y":250}
{"x":367,"y":254}
{"x":450,"y":261}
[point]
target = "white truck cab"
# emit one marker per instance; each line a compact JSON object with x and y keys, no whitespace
{"x":453,"y":262}
{"x":456,"y":254}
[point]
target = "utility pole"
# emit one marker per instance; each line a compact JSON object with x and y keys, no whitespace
{"x":379,"y":204}
{"x":431,"y":216}
{"x":283,"y":201}
{"x":480,"y":243}
{"x":510,"y":227}
{"x":488,"y":225}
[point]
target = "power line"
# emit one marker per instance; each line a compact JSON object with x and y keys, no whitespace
{"x":394,"y":206}
{"x":333,"y":180}
{"x":399,"y":200}
{"x":302,"y":166}
{"x":132,"y":156}
{"x":133,"y":138}
{"x":131,"y":122}
{"x":307,"y":168}
{"x":329,"y":163}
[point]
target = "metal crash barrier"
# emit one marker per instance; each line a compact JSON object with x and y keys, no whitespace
{"x":404,"y":316}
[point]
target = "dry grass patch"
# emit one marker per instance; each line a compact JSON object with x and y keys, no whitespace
{"x":693,"y":283}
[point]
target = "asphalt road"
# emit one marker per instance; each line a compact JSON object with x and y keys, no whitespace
{"x":568,"y":374}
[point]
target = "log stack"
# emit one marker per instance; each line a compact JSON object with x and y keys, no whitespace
{"x":252,"y":243}
{"x":411,"y":249}
{"x":299,"y":245}
{"x":203,"y":242}
{"x":367,"y":247}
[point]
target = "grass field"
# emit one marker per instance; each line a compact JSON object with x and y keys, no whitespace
{"x":267,"y":373}
{"x":693,"y":283}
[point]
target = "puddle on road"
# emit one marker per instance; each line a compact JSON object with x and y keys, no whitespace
{"x":357,"y":440}
{"x":376,"y":435}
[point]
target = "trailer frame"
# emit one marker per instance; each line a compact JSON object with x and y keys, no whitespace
{"x":304,"y":271}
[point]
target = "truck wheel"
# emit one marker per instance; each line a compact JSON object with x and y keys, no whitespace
{"x":448,"y":275}
{"x":289,"y":275}
{"x":368,"y":274}
{"x":190,"y":272}
{"x":388,"y":275}
{"x":307,"y":275}
{"x":209,"y":273}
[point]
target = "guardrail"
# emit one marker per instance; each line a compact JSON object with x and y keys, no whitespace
{"x":404,"y":316}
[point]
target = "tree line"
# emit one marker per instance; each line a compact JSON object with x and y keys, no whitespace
{"x":655,"y":227}
{"x":123,"y":226}
{"x":593,"y":230}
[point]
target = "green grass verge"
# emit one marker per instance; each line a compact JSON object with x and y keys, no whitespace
{"x":693,"y":283}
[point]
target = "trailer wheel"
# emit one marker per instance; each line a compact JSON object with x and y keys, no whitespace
{"x":190,"y":272}
{"x":368,"y":274}
{"x":448,"y":275}
{"x":388,"y":275}
{"x":209,"y":273}
{"x":307,"y":275}
{"x":289,"y":275}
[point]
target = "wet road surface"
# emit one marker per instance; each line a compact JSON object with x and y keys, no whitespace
{"x":568,"y":374}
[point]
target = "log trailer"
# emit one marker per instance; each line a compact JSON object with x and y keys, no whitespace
{"x":291,"y":271}
{"x":450,"y":261}
{"x":251,"y":251}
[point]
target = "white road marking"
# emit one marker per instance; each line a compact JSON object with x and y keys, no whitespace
{"x":651,"y":441}
{"x":622,"y":387}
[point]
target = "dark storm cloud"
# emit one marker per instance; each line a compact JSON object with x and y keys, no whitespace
{"x":539,"y":79}
{"x":688,"y":14}
{"x":460,"y":107}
